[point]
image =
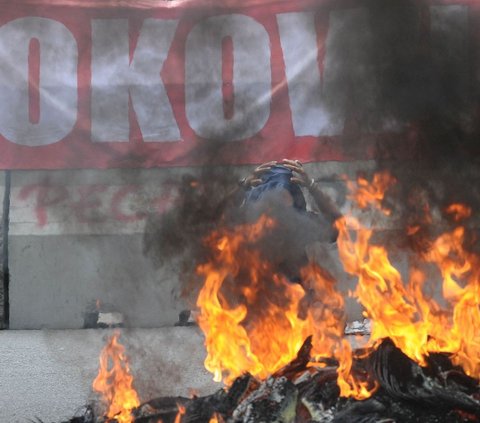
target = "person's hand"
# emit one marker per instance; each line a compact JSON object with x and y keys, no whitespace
{"x":255,"y":178}
{"x":300,"y":176}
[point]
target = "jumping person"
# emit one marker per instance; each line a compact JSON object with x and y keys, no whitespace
{"x":277,"y":188}
{"x":285,"y":178}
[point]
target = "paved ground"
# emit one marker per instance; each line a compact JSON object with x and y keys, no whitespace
{"x":48,"y":374}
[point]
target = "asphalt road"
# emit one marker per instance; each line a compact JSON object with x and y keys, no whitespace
{"x":48,"y":374}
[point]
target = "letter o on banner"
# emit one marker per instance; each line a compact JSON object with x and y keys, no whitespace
{"x":251,"y":77}
{"x":57,"y":84}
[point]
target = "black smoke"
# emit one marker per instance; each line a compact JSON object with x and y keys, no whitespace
{"x":407,"y":74}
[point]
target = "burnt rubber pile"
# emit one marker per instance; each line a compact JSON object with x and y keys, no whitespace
{"x":302,"y":393}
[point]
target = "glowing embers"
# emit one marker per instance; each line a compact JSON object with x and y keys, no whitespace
{"x":255,"y":319}
{"x":115,"y":383}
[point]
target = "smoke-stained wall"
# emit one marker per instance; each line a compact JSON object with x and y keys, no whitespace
{"x":76,"y":245}
{"x":82,"y":240}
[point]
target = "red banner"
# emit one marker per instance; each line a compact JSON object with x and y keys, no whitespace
{"x":91,"y":85}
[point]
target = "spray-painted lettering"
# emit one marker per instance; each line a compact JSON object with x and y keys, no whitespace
{"x":92,"y":204}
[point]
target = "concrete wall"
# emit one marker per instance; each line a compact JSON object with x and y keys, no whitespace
{"x":77,"y":237}
{"x":3,"y":246}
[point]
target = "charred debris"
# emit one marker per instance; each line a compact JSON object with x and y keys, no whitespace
{"x":305,"y":393}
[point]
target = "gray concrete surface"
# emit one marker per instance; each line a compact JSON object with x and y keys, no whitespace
{"x":55,"y":280}
{"x":48,"y":374}
{"x":76,"y":236}
{"x":3,"y":246}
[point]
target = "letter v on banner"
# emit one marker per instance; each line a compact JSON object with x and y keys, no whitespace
{"x":316,"y":60}
{"x":115,"y":79}
{"x":304,"y":53}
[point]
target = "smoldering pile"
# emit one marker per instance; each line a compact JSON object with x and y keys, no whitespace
{"x":305,"y":393}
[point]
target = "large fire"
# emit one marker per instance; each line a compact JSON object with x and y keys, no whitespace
{"x":255,"y":319}
{"x":115,"y":382}
{"x":401,"y":310}
{"x":262,"y":330}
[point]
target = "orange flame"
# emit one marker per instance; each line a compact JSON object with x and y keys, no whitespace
{"x":351,"y":386}
{"x":416,"y":323}
{"x":253,"y":318}
{"x":366,"y":193}
{"x":396,"y":311}
{"x":181,"y":412}
{"x":460,"y":270}
{"x":381,"y":291}
{"x":216,"y":418}
{"x":114,"y":382}
{"x":458,"y":211}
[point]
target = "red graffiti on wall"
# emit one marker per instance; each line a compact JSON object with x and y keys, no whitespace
{"x":98,"y":203}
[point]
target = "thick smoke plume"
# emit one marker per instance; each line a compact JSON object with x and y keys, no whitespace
{"x":407,"y":74}
{"x":427,"y":55}
{"x":210,"y":199}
